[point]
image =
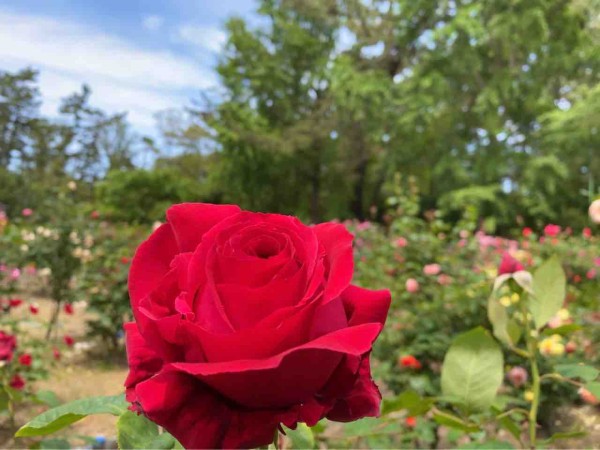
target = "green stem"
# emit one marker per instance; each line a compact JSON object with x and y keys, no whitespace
{"x":535,"y":377}
{"x":556,"y":376}
{"x":535,"y":374}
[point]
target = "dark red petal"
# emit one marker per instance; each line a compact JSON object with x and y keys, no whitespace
{"x":200,"y":418}
{"x":151,"y":262}
{"x":283,"y":380}
{"x":337,"y":246}
{"x":363,"y":400}
{"x":365,"y":305}
{"x":509,"y":264}
{"x":191,"y":220}
{"x":143,"y":361}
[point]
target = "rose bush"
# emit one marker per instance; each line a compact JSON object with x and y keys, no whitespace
{"x":245,"y":321}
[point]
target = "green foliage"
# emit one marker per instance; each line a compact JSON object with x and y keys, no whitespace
{"x":472,"y":370}
{"x":549,"y":287}
{"x":585,"y":373}
{"x":141,"y":196}
{"x":56,"y":418}
{"x":135,"y":431}
{"x":301,"y":438}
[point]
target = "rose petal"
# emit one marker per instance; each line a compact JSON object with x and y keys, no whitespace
{"x":366,"y":305}
{"x":282,"y":380}
{"x":363,"y":400}
{"x":151,"y":262}
{"x":337,"y":249}
{"x":190,"y":221}
{"x":143,"y":361}
{"x":200,"y":418}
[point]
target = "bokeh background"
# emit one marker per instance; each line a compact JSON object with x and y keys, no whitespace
{"x":304,"y":107}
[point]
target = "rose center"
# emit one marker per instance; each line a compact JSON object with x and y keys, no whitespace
{"x":264,"y":247}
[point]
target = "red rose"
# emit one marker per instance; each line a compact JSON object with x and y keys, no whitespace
{"x":410,"y":361}
{"x":25,"y":359}
{"x":56,"y":353}
{"x":245,"y":321}
{"x":15,"y":302}
{"x":68,"y":340}
{"x":8,"y":343}
{"x":552,"y":230}
{"x":34,"y":308}
{"x":509,"y":265}
{"x":527,"y":232}
{"x":17,"y":382}
{"x":68,"y":308}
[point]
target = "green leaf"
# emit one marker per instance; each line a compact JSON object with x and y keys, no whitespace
{"x":4,"y":398}
{"x":563,"y":330}
{"x":565,"y":435}
{"x":472,"y":370}
{"x":511,"y":426}
{"x":549,"y":289}
{"x":450,"y":420}
{"x":52,"y":444}
{"x":137,"y":432}
{"x":586,"y":373}
{"x":515,"y":330}
{"x":301,"y":437}
{"x":488,"y":445}
{"x":410,"y":401}
{"x":57,"y":418}
{"x":594,"y":388}
{"x":524,"y":280}
{"x":498,"y":317}
{"x":48,"y":398}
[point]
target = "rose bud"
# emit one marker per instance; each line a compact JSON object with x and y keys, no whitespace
{"x":56,"y":353}
{"x":594,"y":211}
{"x":8,"y":344}
{"x":509,"y":265}
{"x":68,"y":340}
{"x":401,"y":242}
{"x":552,"y":230}
{"x":15,"y":302}
{"x":17,"y":382}
{"x":245,"y":322}
{"x":517,"y":376}
{"x":431,"y":269}
{"x":412,"y":285}
{"x":570,"y":347}
{"x":410,"y":421}
{"x":34,"y":308}
{"x":25,"y":359}
{"x":410,"y":362}
{"x":68,"y":308}
{"x":587,"y":396}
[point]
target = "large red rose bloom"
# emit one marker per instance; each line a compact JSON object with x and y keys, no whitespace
{"x":244,"y":321}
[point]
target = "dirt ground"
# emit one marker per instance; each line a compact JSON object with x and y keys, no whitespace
{"x":83,"y":371}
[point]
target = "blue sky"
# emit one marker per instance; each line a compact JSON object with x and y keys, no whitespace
{"x":138,"y":56}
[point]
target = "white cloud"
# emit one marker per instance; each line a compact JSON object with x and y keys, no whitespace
{"x":123,"y":75}
{"x":206,"y":37}
{"x":153,"y":22}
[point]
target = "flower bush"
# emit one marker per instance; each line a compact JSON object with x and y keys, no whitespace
{"x":526,"y":305}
